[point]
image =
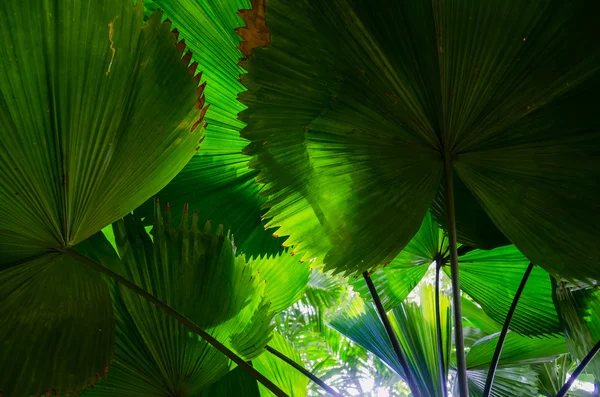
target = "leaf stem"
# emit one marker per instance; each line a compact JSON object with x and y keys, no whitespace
{"x":438,"y":326}
{"x":182,"y":319}
{"x":459,"y":341}
{"x":496,"y":357}
{"x":304,"y":371}
{"x":392,"y":336}
{"x":586,"y":360}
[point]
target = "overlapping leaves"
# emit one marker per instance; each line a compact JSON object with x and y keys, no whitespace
{"x":490,"y":277}
{"x":98,"y":111}
{"x":195,"y":271}
{"x":356,"y":105}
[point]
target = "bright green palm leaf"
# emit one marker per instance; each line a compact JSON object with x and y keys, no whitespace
{"x":355,"y":102}
{"x":403,"y":273}
{"x":282,"y":374}
{"x":415,"y":325}
{"x":492,"y":278}
{"x":286,"y":278}
{"x":518,"y":350}
{"x":508,"y":382}
{"x":97,"y":113}
{"x":489,"y":277}
{"x":475,"y":317}
{"x":57,"y":330}
{"x":363,"y":326}
{"x":218,"y":179}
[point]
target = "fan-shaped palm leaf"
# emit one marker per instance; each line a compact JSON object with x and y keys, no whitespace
{"x":97,"y":113}
{"x":357,"y":105}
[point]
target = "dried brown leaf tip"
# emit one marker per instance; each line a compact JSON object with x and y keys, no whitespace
{"x":255,"y":33}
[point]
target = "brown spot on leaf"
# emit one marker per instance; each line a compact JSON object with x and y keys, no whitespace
{"x":255,"y":33}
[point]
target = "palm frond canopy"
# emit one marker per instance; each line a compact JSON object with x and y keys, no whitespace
{"x":356,"y":105}
{"x":98,"y":111}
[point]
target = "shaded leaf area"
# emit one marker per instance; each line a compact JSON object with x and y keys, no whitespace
{"x":196,"y":272}
{"x":355,"y":103}
{"x":235,"y":383}
{"x":217,"y":178}
{"x":490,"y":277}
{"x":416,"y":331}
{"x":81,"y":149}
{"x":579,"y":310}
{"x":58,"y":331}
{"x":282,"y":374}
{"x":474,"y":227}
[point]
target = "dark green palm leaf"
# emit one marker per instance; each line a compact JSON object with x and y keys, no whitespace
{"x":57,"y":330}
{"x":97,"y":113}
{"x":356,"y":104}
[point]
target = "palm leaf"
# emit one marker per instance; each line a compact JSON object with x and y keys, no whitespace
{"x":356,"y":105}
{"x":492,"y":277}
{"x":183,"y":267}
{"x":80,"y":150}
{"x":283,"y":375}
{"x":217,"y":178}
{"x":517,"y":351}
{"x":58,"y":329}
{"x":489,"y":277}
{"x":236,"y":382}
{"x":508,"y":382}
{"x":196,"y":272}
{"x":93,"y":104}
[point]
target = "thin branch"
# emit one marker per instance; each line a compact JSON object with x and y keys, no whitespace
{"x":391,"y":335}
{"x":496,"y":357}
{"x":563,"y":390}
{"x":459,"y":341}
{"x":182,"y":319}
{"x":304,"y":371}
{"x":438,"y":325}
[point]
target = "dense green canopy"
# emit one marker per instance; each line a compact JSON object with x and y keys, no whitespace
{"x":356,"y":106}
